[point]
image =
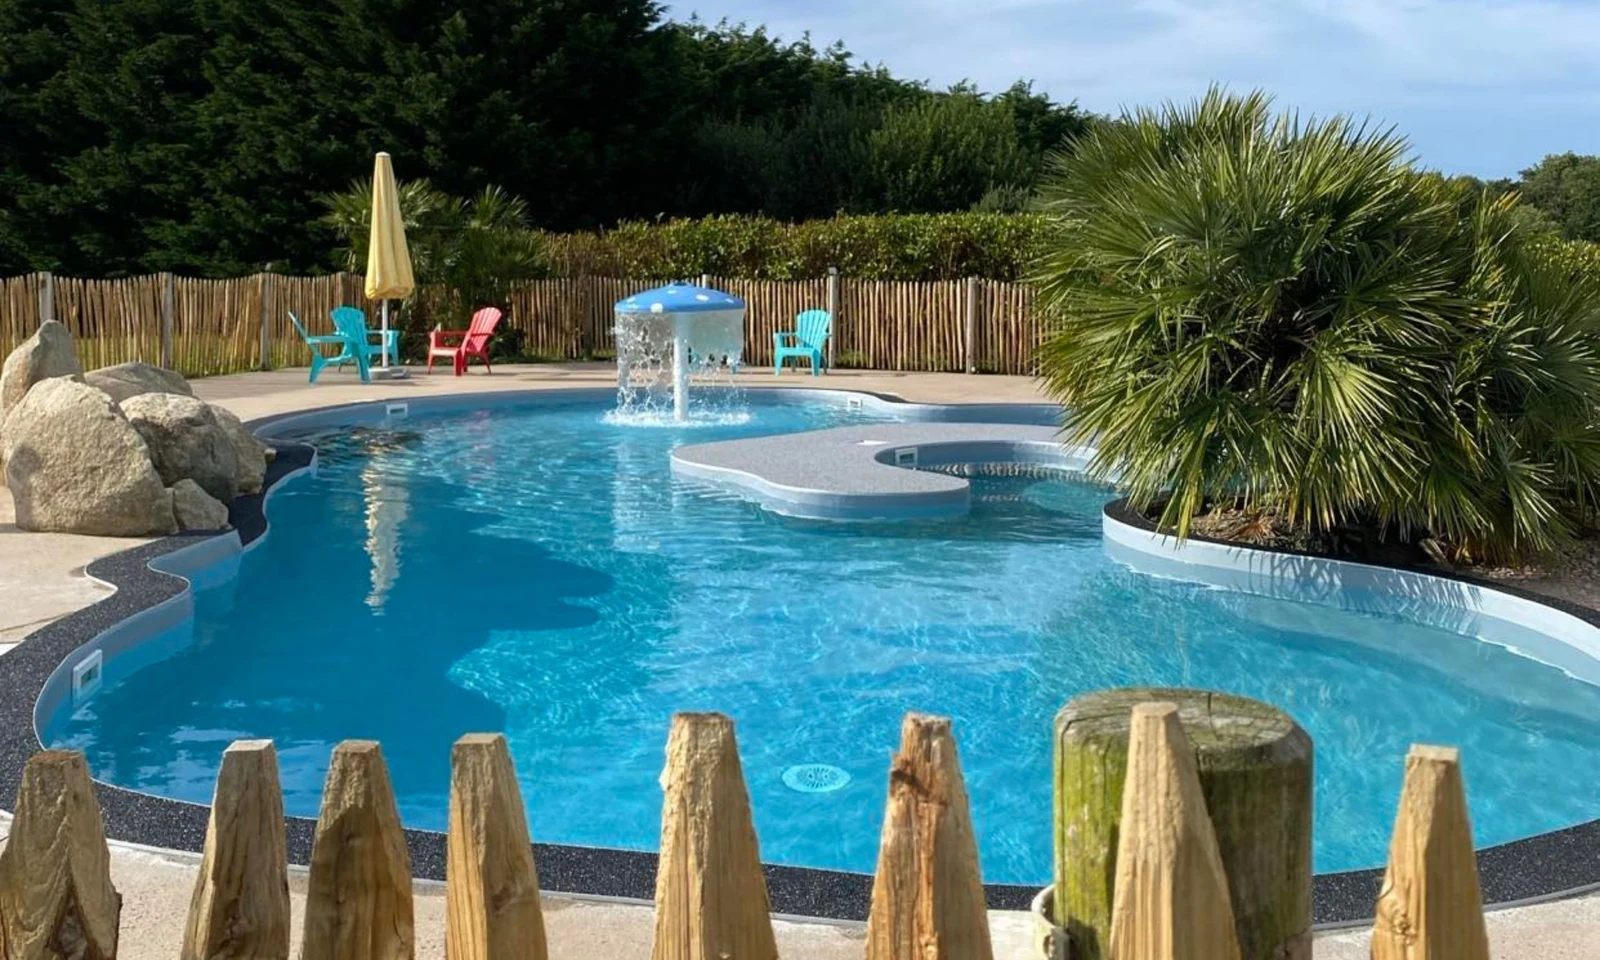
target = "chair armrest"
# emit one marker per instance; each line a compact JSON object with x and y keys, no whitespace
{"x":783,"y":335}
{"x":437,"y":338}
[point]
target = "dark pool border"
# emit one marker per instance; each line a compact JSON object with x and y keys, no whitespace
{"x":1541,"y":867}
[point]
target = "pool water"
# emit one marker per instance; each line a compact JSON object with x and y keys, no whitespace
{"x":537,"y":570}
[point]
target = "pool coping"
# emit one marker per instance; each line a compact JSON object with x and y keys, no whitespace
{"x":1542,"y":867}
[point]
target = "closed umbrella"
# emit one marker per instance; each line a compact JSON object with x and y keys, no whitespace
{"x":388,"y":260}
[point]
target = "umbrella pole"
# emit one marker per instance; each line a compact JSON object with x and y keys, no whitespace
{"x":383,"y":338}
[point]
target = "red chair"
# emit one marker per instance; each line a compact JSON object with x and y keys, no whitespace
{"x":471,"y":342}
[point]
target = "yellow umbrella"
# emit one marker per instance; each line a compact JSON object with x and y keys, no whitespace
{"x":388,"y":260}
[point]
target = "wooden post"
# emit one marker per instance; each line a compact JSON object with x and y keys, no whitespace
{"x":1171,"y":892}
{"x":358,"y":897}
{"x":927,"y":896}
{"x":56,"y":897}
{"x":47,"y":297}
{"x":240,"y":907}
{"x":491,"y":886}
{"x":972,"y":325}
{"x":168,"y":302}
{"x":711,"y":897}
{"x":1254,"y":765}
{"x":705,"y":279}
{"x":266,"y":318}
{"x":833,"y":311}
{"x":1430,"y":906}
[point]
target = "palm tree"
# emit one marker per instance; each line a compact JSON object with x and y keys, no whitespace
{"x":1279,"y":314}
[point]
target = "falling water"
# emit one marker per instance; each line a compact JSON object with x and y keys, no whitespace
{"x":650,"y":377}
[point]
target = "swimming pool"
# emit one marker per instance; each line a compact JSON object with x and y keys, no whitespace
{"x":536,"y":569}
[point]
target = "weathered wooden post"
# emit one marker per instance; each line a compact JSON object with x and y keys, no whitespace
{"x":927,"y":896}
{"x":1171,"y":899}
{"x":1430,"y":906}
{"x":972,"y":325}
{"x":266,"y":318}
{"x":47,"y":296}
{"x":240,"y":907}
{"x":711,"y":897}
{"x":491,"y":885}
{"x":1254,"y":766}
{"x":833,"y":311}
{"x":168,"y":298}
{"x":358,"y":897}
{"x":56,"y":897}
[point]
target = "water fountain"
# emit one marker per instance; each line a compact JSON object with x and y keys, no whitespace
{"x":670,"y":339}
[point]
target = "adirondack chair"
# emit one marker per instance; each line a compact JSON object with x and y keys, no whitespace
{"x":462,"y":345}
{"x":352,"y":326}
{"x":316,"y":343}
{"x":392,"y":341}
{"x":808,"y":339}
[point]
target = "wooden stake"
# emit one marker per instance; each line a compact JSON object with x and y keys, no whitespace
{"x":56,"y":897}
{"x":1171,"y":893}
{"x":1430,"y":906}
{"x":927,"y":896}
{"x":491,"y":888}
{"x":240,"y":907}
{"x":358,"y":897}
{"x":711,"y":897}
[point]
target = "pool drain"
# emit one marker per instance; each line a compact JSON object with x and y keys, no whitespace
{"x":815,"y":778}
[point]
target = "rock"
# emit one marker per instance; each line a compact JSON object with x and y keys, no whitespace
{"x":195,"y":509}
{"x":186,"y":442}
{"x":253,"y":455}
{"x":127,"y":380}
{"x":76,"y":465}
{"x":48,"y":353}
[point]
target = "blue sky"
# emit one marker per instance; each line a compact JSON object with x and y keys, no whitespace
{"x":1479,"y":86}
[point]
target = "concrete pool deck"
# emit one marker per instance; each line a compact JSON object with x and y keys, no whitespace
{"x":43,"y":573}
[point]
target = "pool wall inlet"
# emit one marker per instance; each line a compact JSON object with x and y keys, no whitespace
{"x":152,"y":584}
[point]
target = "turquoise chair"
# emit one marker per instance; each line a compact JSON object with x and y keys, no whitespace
{"x":356,"y":316}
{"x":337,"y":339}
{"x":809,"y":339}
{"x":352,"y":326}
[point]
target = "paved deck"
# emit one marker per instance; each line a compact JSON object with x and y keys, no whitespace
{"x":40,"y":579}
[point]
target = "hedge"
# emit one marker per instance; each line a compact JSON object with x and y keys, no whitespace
{"x":942,"y":246}
{"x":995,"y":246}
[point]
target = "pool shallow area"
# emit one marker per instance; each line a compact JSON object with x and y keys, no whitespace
{"x":536,"y":569}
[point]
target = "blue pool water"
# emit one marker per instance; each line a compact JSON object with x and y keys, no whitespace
{"x":537,"y":570}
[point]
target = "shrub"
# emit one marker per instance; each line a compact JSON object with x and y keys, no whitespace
{"x":996,"y":246}
{"x":1282,"y":314}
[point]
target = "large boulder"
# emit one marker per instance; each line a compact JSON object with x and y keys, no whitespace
{"x":186,"y":442}
{"x":195,"y":509}
{"x":76,"y":465}
{"x":48,"y":353}
{"x":253,"y":455}
{"x":126,"y":380}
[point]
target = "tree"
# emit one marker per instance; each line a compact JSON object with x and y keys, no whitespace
{"x":946,"y":152}
{"x":1567,"y":187}
{"x":1281,"y":315}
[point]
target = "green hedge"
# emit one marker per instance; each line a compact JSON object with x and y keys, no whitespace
{"x":996,"y":246}
{"x":944,"y":246}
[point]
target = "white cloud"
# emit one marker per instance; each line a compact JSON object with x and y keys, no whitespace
{"x":1482,"y":86}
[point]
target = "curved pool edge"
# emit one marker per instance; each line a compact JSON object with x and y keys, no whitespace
{"x":1543,"y":867}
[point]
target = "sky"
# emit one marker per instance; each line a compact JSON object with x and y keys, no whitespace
{"x":1485,"y":87}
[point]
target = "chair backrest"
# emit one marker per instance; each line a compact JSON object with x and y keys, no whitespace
{"x":351,"y":323}
{"x":812,"y":327}
{"x":348,"y":319}
{"x":299,"y":327}
{"x":481,"y":329}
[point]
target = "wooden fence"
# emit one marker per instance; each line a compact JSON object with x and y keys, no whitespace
{"x":1172,"y":897}
{"x":202,"y":327}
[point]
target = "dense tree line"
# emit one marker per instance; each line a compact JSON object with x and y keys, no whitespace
{"x":198,"y":135}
